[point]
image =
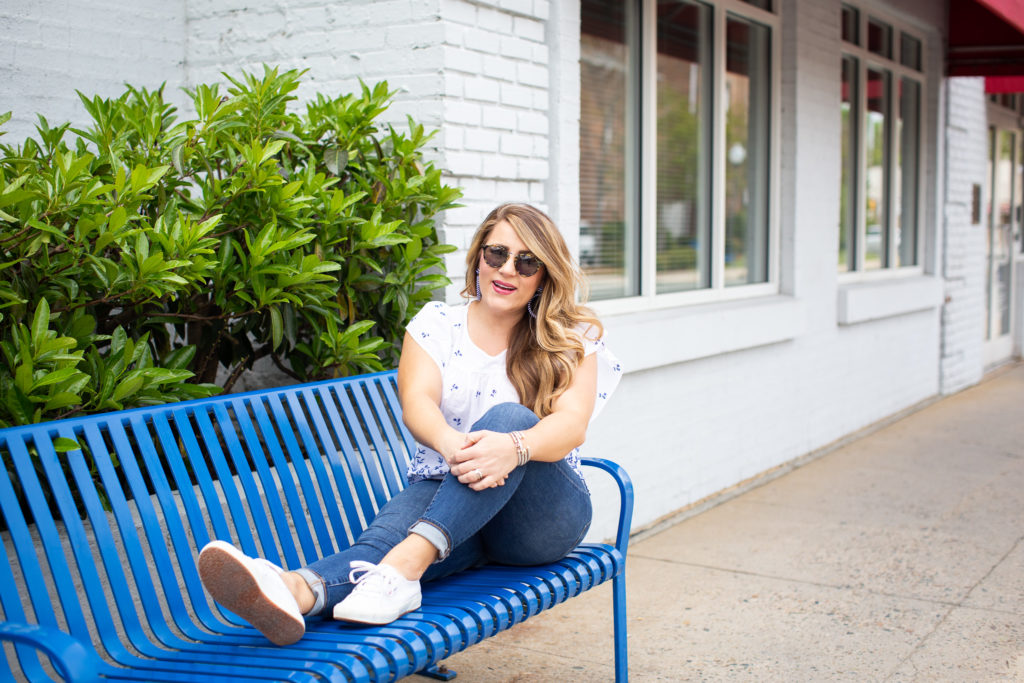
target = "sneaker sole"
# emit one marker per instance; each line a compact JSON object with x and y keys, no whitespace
{"x":370,"y":622}
{"x":230,"y":583}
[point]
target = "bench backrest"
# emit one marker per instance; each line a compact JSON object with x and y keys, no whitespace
{"x":289,"y":474}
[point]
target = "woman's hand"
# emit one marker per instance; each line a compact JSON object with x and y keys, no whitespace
{"x":485,"y":460}
{"x":451,"y":444}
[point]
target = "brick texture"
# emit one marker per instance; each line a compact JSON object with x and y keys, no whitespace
{"x":50,"y":48}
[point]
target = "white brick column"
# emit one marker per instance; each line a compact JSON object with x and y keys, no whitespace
{"x":963,"y":249}
{"x":497,"y":111}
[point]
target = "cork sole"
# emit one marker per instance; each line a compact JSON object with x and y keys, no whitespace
{"x":231,"y":584}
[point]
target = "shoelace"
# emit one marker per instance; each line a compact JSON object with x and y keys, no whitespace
{"x":370,"y":577}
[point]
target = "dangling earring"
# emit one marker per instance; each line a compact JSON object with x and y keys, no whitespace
{"x":478,"y":295}
{"x":529,"y":304}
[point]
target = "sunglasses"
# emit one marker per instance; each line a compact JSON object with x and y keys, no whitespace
{"x":496,"y":256}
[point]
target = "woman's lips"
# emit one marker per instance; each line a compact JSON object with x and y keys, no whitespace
{"x":502,"y":287}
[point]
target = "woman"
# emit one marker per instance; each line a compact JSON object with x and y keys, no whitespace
{"x":498,"y":394}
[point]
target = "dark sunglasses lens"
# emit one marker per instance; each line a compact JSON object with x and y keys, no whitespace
{"x":527,"y":266}
{"x":495,"y":256}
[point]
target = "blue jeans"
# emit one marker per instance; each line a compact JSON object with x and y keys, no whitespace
{"x":539,"y":515}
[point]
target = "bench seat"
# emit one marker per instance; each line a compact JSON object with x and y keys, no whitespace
{"x":103,"y":516}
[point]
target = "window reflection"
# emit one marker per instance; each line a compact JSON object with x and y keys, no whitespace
{"x":608,"y":244}
{"x":684,"y":231}
{"x":880,"y":38}
{"x":747,"y":101}
{"x":906,"y":200}
{"x":1000,"y":235}
{"x":848,"y":142}
{"x":876,"y":143}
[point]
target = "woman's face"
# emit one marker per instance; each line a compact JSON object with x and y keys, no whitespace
{"x":503,"y":289}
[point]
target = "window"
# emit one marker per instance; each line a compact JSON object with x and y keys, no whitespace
{"x":880,"y":106}
{"x":609,"y":248}
{"x":676,"y":147}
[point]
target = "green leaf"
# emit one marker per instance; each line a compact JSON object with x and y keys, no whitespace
{"x":336,"y":159}
{"x":54,"y":377}
{"x":23,"y":379}
{"x":118,"y":218}
{"x":272,"y":149}
{"x":40,"y":323}
{"x":413,"y":249}
{"x":179,"y":358}
{"x":63,"y":444}
{"x":277,"y":327}
{"x":178,"y":159}
{"x":126,"y":388}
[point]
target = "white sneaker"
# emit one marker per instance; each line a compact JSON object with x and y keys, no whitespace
{"x":380,"y":596}
{"x":253,"y":589}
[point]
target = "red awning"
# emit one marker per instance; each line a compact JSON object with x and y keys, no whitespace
{"x":995,"y":85}
{"x":986,"y":38}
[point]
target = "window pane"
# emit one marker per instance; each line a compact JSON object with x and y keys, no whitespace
{"x":910,"y":51}
{"x":876,"y":148}
{"x":684,"y":122}
{"x":1019,"y":193}
{"x":747,"y":103}
{"x":851,"y":25}
{"x":908,"y":173}
{"x":849,"y":109}
{"x":609,"y":245}
{"x":1000,"y":235}
{"x":763,"y":4}
{"x":880,"y":38}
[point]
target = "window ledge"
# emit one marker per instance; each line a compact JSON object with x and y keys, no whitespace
{"x":864,"y":301}
{"x":653,"y":338}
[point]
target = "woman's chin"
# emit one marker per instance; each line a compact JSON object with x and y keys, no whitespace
{"x":503,"y":303}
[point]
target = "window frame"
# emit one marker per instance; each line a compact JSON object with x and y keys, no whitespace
{"x":893,"y":66}
{"x":646,"y":149}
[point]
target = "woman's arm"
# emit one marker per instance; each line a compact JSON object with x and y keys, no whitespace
{"x":419,"y":391}
{"x":550,"y":440}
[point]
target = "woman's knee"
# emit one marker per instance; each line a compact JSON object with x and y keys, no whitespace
{"x":507,"y":417}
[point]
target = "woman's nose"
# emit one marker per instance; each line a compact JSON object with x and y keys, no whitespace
{"x":508,"y":269}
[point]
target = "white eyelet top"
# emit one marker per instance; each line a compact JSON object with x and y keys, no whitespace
{"x":474,"y":382}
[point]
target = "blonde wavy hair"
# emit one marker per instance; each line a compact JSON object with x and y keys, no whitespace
{"x":543,"y":352}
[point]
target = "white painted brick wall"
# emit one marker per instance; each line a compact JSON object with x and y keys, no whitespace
{"x":399,"y":41}
{"x":50,"y":48}
{"x":496,"y":88}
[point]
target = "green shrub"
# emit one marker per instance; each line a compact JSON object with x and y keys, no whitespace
{"x":141,"y":253}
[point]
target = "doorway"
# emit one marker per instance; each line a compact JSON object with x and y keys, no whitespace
{"x":1004,"y":207}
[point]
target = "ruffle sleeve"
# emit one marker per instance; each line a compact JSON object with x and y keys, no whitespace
{"x":609,"y":371}
{"x":431,"y":329}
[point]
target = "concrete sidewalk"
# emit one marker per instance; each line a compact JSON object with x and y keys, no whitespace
{"x":897,"y":557}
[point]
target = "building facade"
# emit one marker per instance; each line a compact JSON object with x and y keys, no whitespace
{"x":793,"y":222}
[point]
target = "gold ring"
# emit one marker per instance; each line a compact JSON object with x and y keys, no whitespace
{"x":479,"y":474}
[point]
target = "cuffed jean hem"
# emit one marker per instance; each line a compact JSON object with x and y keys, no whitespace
{"x":316,"y":584}
{"x":437,"y":537}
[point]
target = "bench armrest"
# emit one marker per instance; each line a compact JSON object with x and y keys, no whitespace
{"x":625,"y":498}
{"x":73,"y":660}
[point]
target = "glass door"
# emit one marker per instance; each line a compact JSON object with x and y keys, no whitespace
{"x":1003,"y":216}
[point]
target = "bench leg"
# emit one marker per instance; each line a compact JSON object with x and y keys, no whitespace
{"x":619,"y":609}
{"x":439,"y":672}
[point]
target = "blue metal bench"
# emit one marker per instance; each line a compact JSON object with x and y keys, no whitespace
{"x":100,"y":581}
